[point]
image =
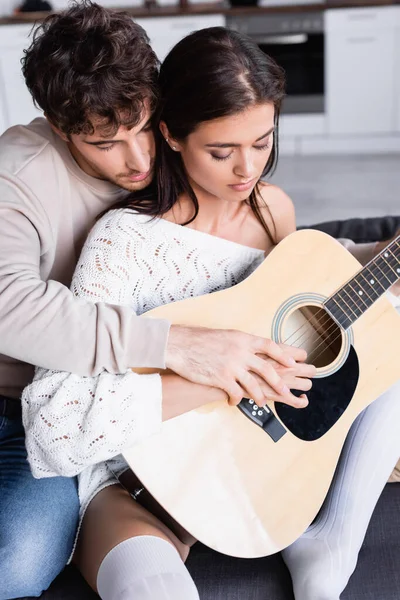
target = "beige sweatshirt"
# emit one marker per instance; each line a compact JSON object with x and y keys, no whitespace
{"x":47,"y":207}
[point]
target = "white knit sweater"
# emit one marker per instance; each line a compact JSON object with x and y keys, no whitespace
{"x":80,"y":425}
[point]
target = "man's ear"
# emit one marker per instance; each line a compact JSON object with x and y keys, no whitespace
{"x":62,"y":135}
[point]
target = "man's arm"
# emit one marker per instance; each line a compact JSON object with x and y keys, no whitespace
{"x":43,"y":324}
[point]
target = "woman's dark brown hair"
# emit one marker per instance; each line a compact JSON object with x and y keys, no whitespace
{"x":211,"y":73}
{"x":89,"y":61}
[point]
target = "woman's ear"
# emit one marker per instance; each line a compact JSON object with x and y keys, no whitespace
{"x":170,"y":141}
{"x":164,"y":129}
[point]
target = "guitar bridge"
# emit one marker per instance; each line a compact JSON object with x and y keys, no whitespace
{"x":263,"y":417}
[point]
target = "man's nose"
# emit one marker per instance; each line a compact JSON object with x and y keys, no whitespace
{"x":138,"y":159}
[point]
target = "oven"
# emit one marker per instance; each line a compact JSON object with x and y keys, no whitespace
{"x":296,"y":42}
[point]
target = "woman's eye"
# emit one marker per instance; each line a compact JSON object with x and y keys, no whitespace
{"x":263,"y":147}
{"x":216,"y":157}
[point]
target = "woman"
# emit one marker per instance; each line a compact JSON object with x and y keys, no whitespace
{"x":207,"y":224}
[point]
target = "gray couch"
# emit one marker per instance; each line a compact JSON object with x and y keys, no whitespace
{"x":220,"y":577}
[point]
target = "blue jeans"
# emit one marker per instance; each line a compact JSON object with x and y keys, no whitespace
{"x":38,"y":518}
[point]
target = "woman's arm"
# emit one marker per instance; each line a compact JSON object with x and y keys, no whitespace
{"x":180,"y":396}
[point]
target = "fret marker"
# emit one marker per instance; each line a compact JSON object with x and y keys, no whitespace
{"x":372,"y":281}
{"x":398,"y":270}
{"x":360,"y":292}
{"x":386,"y":254}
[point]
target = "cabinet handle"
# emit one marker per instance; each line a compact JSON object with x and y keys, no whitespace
{"x":284,"y":40}
{"x":362,"y":17}
{"x":361,"y":40}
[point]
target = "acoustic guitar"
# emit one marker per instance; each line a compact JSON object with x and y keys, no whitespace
{"x":248,"y":481}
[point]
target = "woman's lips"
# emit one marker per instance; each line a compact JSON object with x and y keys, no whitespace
{"x":243,"y":187}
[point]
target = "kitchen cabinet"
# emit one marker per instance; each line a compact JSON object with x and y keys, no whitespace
{"x":165,"y":32}
{"x":16,"y":104}
{"x":360,"y":69}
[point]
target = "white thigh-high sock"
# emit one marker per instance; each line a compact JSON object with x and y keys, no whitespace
{"x":145,"y":568}
{"x":322,"y":560}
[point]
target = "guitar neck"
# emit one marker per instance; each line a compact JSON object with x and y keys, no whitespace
{"x":351,"y":301}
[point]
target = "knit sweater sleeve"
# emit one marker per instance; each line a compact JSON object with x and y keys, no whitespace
{"x":73,"y":421}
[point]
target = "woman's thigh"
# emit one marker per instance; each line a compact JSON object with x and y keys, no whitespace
{"x":111,"y":518}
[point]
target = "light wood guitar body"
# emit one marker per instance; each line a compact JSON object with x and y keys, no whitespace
{"x":221,"y":475}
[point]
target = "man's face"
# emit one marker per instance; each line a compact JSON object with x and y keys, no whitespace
{"x":125,"y":158}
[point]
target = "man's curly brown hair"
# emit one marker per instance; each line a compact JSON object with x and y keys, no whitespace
{"x":91,"y":62}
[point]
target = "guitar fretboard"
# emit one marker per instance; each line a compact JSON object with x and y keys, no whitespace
{"x":357,"y":295}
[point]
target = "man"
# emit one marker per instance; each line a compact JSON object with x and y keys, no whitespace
{"x":94,"y":75}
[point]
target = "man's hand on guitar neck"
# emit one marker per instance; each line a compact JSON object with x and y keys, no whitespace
{"x":241,"y":364}
{"x":395,"y":289}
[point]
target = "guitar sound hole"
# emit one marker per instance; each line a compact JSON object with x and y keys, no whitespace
{"x":312,"y":328}
{"x":327,"y":400}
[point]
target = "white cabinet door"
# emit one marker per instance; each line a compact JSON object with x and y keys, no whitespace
{"x":165,"y":32}
{"x":17,"y":101}
{"x":360,"y":64}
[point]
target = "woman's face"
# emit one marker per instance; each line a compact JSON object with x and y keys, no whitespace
{"x":225,"y":157}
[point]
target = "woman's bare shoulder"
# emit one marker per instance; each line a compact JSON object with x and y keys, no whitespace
{"x":279,"y":207}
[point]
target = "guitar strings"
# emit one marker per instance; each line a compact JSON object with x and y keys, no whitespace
{"x":359,"y":298}
{"x":327,"y":339}
{"x":397,"y":243}
{"x":324,"y":342}
{"x":315,"y":316}
{"x":334,"y":326}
